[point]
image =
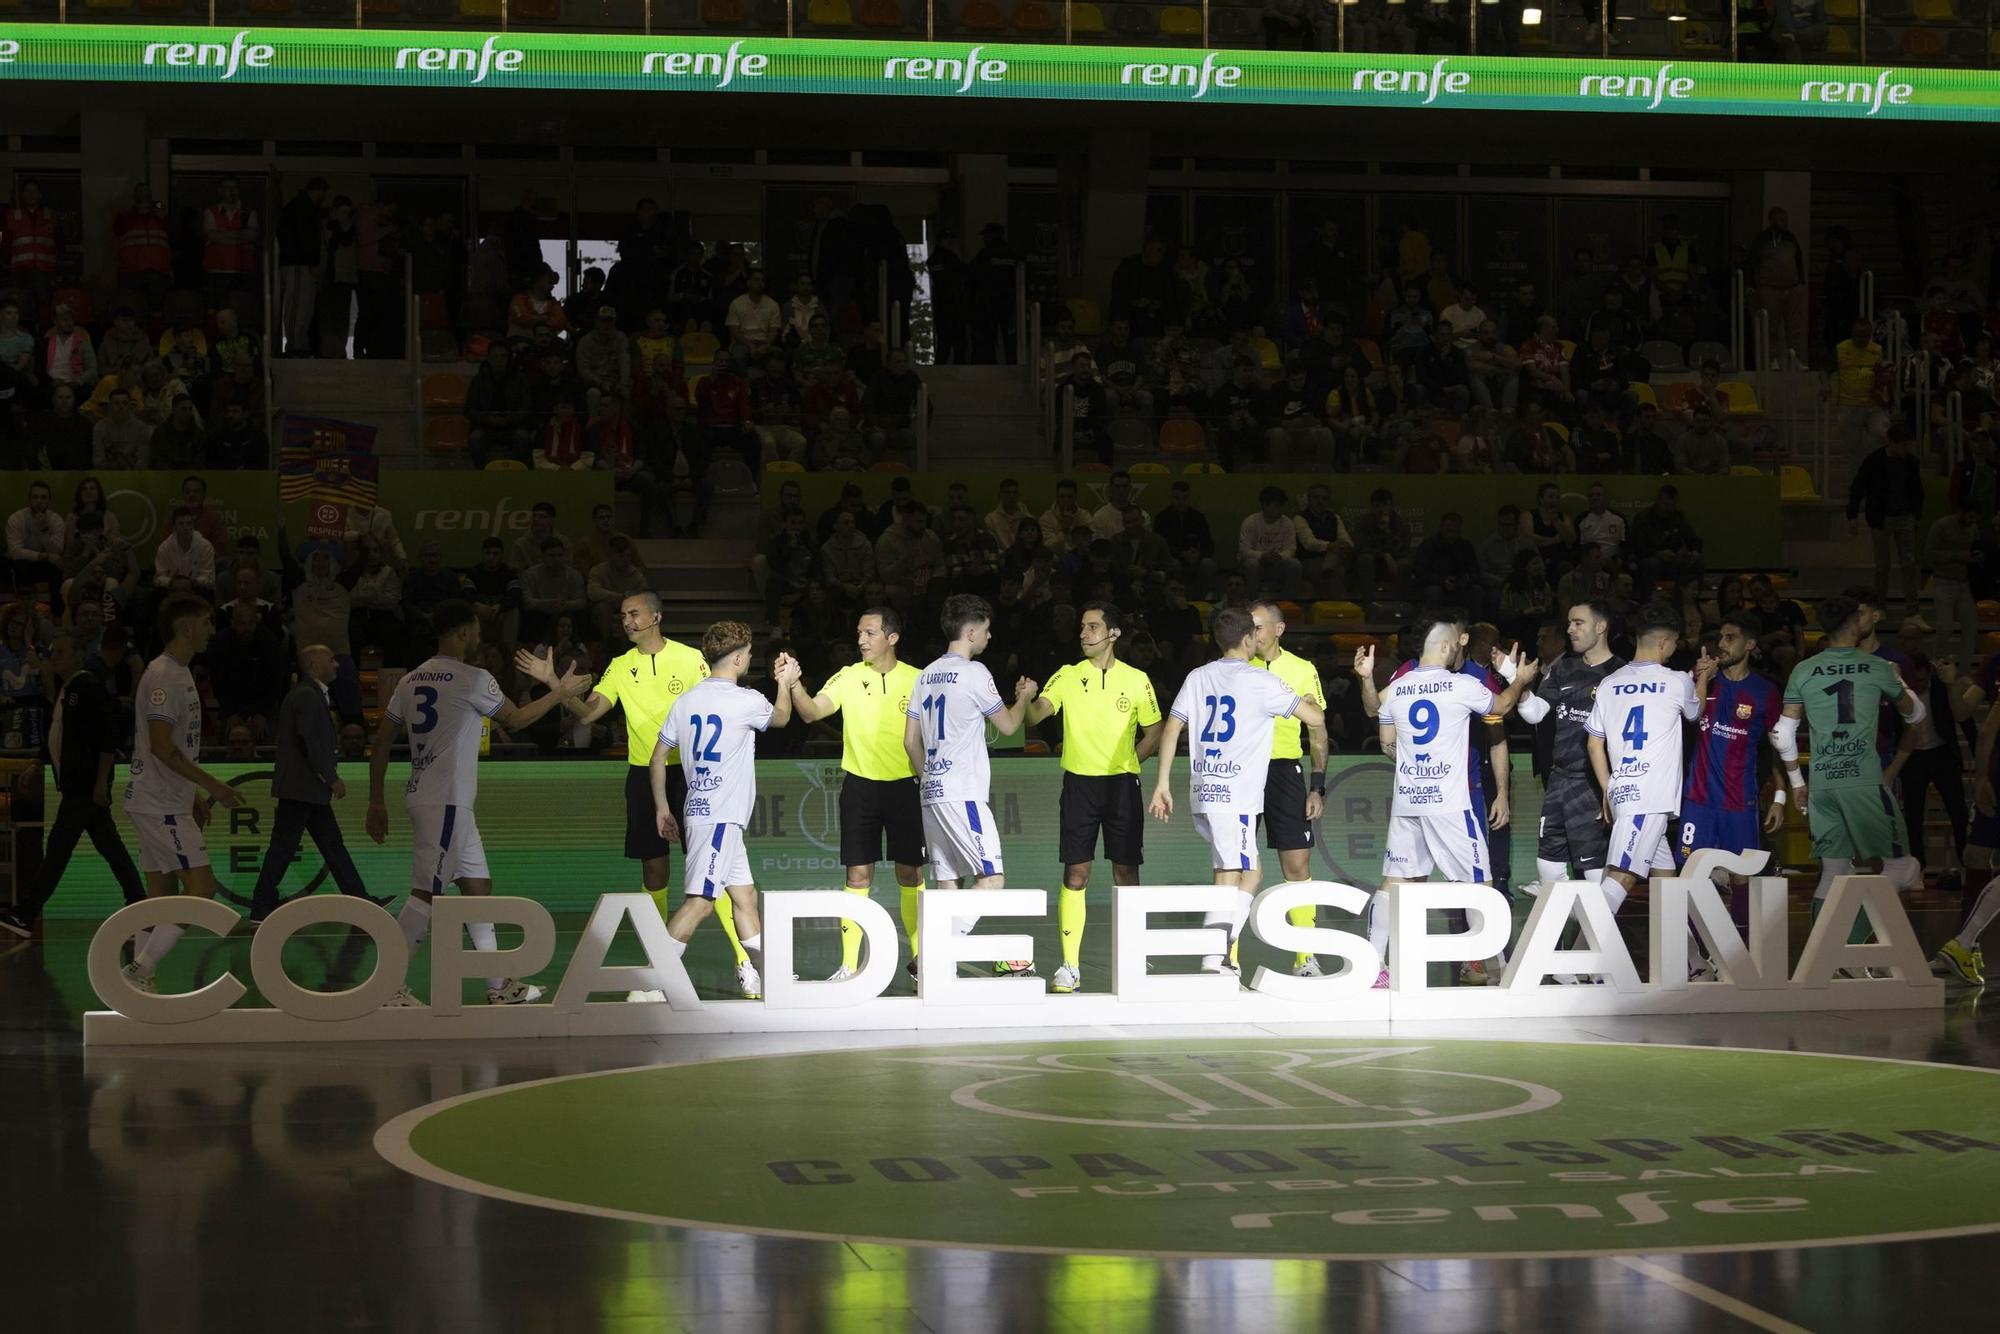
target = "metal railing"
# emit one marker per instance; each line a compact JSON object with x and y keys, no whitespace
{"x":1954,"y":424}
{"x":923,"y":425}
{"x":1736,"y":307}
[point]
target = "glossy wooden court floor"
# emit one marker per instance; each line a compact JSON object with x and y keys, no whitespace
{"x":211,"y":1191}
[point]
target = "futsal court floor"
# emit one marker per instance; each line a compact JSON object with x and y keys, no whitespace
{"x":1641,"y":1174}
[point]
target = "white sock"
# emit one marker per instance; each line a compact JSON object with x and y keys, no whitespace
{"x":1831,"y":868}
{"x":754,"y":947}
{"x":1904,"y":872}
{"x":679,"y":947}
{"x":483,"y":938}
{"x":1378,"y":925}
{"x":157,"y":945}
{"x":415,"y":919}
{"x":1984,"y":909}
{"x":139,"y":940}
{"x":1244,"y":898}
{"x":1613,"y":891}
{"x":1548,"y":873}
{"x":1225,"y":919}
{"x":962,"y":926}
{"x":1595,"y":875}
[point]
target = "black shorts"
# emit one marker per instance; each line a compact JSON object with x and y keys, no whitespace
{"x":1573,"y":830}
{"x":1109,"y":802}
{"x":1285,"y":825}
{"x":642,"y":833}
{"x":873,"y":812}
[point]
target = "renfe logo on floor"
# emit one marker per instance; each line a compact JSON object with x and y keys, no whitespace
{"x":1754,"y":971}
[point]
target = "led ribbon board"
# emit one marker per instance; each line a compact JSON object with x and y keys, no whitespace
{"x":580,"y":61}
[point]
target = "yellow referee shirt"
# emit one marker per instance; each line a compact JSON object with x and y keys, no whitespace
{"x":873,"y":706}
{"x":1303,"y":678}
{"x":647,"y":684}
{"x":1099,"y":710}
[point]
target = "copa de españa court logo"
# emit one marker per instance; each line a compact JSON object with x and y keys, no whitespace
{"x":1253,"y":1147}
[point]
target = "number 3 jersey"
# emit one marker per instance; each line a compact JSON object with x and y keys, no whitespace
{"x":1229,"y":708}
{"x":953,"y":698}
{"x":1432,"y":710}
{"x":714,"y":725}
{"x":442,"y":703}
{"x":1638,"y":712}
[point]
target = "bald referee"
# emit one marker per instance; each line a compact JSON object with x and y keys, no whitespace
{"x":1111,"y":722}
{"x":878,"y":796}
{"x":1290,"y":810}
{"x":646,"y":680}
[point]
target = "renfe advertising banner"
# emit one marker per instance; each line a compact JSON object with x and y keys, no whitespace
{"x":945,"y":69}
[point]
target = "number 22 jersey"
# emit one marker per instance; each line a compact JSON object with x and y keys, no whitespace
{"x":714,"y":726}
{"x":1230,"y":708}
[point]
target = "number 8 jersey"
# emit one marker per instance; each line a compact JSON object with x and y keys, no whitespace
{"x":1638,"y":712}
{"x":1229,"y":708}
{"x":441,"y":703}
{"x":714,"y":725}
{"x":1432,"y":709}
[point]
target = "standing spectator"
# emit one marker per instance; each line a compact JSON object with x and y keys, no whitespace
{"x":991,"y":282}
{"x":1857,"y":398}
{"x":1778,"y":272}
{"x":378,"y":262}
{"x":335,"y":324}
{"x":1889,"y":488}
{"x":67,"y":356}
{"x":145,"y":248}
{"x":301,"y":252}
{"x":1951,"y":549}
{"x":246,"y":668}
{"x":1601,"y":525}
{"x":1581,"y":293}
{"x":1381,"y":542}
{"x":1927,"y":754}
{"x":1188,"y":537}
{"x":550,"y":588}
{"x":1446,"y":567}
{"x":1267,"y":546}
{"x":34,"y":248}
{"x":1664,"y":544}
{"x":35,"y":540}
{"x":185,"y":559}
{"x":229,"y":245}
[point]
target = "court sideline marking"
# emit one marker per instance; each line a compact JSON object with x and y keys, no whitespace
{"x":1701,"y":1292}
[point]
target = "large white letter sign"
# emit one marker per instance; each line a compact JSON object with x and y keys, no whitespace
{"x":452,"y":962}
{"x":1537,"y":955}
{"x":1412,"y":948}
{"x":1692,"y":899}
{"x":783,"y":911}
{"x":267,"y":965}
{"x":1896,"y":946}
{"x":587,"y":971}
{"x":1134,"y":941}
{"x":107,"y":975}
{"x":938,"y":982}
{"x":1268,"y":923}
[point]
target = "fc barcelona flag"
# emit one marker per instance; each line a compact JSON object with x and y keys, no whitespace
{"x":322,"y":459}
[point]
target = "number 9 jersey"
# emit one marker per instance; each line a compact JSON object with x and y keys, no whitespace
{"x":1432,"y":709}
{"x":442,"y":703}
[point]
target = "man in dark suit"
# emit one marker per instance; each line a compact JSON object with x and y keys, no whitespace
{"x":82,"y":736}
{"x":306,"y":782}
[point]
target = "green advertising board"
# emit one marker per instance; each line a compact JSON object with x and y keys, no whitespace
{"x":1737,"y":517}
{"x":949,"y":69}
{"x":457,"y":509}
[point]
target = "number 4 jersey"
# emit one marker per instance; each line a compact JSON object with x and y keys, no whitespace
{"x":1229,"y":707}
{"x":442,"y":703}
{"x":714,"y":725}
{"x":1432,"y":710}
{"x":1639,"y":713}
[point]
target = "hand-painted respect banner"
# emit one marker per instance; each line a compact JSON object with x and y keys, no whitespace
{"x":825,"y":67}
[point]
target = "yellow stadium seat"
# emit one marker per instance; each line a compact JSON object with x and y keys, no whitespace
{"x":1086,"y":19}
{"x":1093,"y":470}
{"x":1989,"y":642}
{"x":1922,"y":43}
{"x":1150,"y":470}
{"x":829,"y":13}
{"x":1742,"y":397}
{"x":1267,"y":354}
{"x":1744,"y":470}
{"x":1558,"y":430}
{"x":506,"y":465}
{"x":1205,"y":609}
{"x":107,"y":6}
{"x":479,"y":9}
{"x":1335,"y":612}
{"x":1644,"y":393}
{"x":1931,"y":11}
{"x":442,"y":389}
{"x":1840,"y":42}
{"x":1989,"y":612}
{"x":889,"y":465}
{"x":1795,"y":485}
{"x":1180,"y":21}
{"x":1569,"y":349}
{"x":784,"y":465}
{"x":1371,"y":350}
{"x":1178,"y":435}
{"x":1843,"y":9}
{"x":444,"y":434}
{"x":1779,"y":580}
{"x":1089,"y":316}
{"x":1346,"y":642}
{"x":1203,"y":470}
{"x":699,"y":348}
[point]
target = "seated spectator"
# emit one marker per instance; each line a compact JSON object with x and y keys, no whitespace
{"x":1446,"y":567}
{"x":551,"y":382}
{"x":551,"y":587}
{"x":1526,"y":598}
{"x":495,"y":592}
{"x":1553,"y":533}
{"x":1481,"y":441}
{"x":1090,"y":412}
{"x":581,"y":307}
{"x":1293,"y":430}
{"x":1004,"y":519}
{"x":185,"y":560}
{"x":1463,"y":317}
{"x":594,"y":547}
{"x":67,"y":356}
{"x":604,"y":359}
{"x":1326,"y":547}
{"x":971,"y":556}
{"x":839,"y":447}
{"x":124,"y":346}
{"x":1536,"y":448}
{"x":1381,"y":543}
{"x":1651,"y":450}
{"x":1267,"y":546}
{"x":1062,"y":515}
{"x":17,"y":345}
{"x":1596,"y":444}
{"x":375,"y":616}
{"x":250,"y":552}
{"x":58,"y":434}
{"x":1545,"y":367}
{"x":1599,"y":369}
{"x":36,"y":536}
{"x":1443,"y":375}
{"x":180,"y":441}
{"x":1410,"y":327}
{"x":754,"y":319}
{"x":890,"y":406}
{"x":1238,"y":405}
{"x":1189,"y":539}
{"x":536,"y":307}
{"x":909,"y":559}
{"x":185,"y":352}
{"x":1601,"y":526}
{"x":1108,"y":520}
{"x":777,"y":411}
{"x":610,"y":581}
{"x":231,"y":348}
{"x":1139,"y":554}
{"x":801,"y":309}
{"x":1703,"y":450}
{"x":1664,"y":543}
{"x":498,"y":407}
{"x":847,"y":559}
{"x":722,"y":406}
{"x":654,"y":344}
{"x":1497,"y":554}
{"x":1421,"y":452}
{"x":1493,"y":369}
{"x":246,"y":587}
{"x":1586,"y":581}
{"x":562,"y":445}
{"x":208,"y":520}
{"x":99,"y":560}
{"x":237,"y":443}
{"x":818,"y":354}
{"x":247,"y":669}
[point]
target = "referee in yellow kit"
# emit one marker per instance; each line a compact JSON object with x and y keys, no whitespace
{"x":878,"y":795}
{"x":646,"y":680}
{"x":1111,"y":722}
{"x":1290,"y":809}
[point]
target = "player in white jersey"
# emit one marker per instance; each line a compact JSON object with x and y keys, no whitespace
{"x":1423,"y":723}
{"x":1635,"y":728}
{"x":945,"y":736}
{"x":714,"y":726}
{"x":1229,"y":707}
{"x":169,"y":796}
{"x":443,"y":703}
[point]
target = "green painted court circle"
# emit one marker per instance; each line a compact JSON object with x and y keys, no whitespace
{"x":1335,"y":1148}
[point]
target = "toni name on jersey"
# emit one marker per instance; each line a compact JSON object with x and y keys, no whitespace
{"x":1638,"y":713}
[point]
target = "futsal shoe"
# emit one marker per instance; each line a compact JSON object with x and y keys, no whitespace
{"x":748,"y":982}
{"x":1307,"y":967}
{"x":1961,"y":962}
{"x":842,"y":974}
{"x":1472,"y":973}
{"x":1014,"y":968}
{"x":645,"y":997}
{"x":138,"y":982}
{"x":1381,"y":981}
{"x":911,"y":969}
{"x":404,"y":999}
{"x":14,"y":924}
{"x":1067,"y":979}
{"x":512,"y":992}
{"x":1704,"y":972}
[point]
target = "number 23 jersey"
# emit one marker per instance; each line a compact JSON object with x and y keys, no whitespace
{"x":1432,"y":709}
{"x":442,"y":703}
{"x":1229,"y":708}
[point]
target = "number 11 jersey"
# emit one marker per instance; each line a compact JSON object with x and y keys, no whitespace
{"x":442,"y":703}
{"x":1230,"y":708}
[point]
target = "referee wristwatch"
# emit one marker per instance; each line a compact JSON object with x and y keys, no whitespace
{"x":1319,"y":782}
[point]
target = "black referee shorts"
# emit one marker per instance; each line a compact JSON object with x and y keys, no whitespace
{"x":1285,"y":826}
{"x":874,"y":812}
{"x":642,"y":833}
{"x":1107,"y":802}
{"x":1573,"y":828}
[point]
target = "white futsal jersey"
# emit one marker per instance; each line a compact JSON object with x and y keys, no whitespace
{"x":1639,"y":711}
{"x":1432,"y":709}
{"x":442,"y":703}
{"x":1229,"y":707}
{"x":714,"y":726}
{"x":953,"y":699}
{"x":166,"y":695}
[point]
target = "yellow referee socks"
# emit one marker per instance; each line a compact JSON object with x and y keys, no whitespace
{"x":1306,"y":914}
{"x":1071,"y":913}
{"x":850,"y":933}
{"x":910,"y":901}
{"x":725,"y":912}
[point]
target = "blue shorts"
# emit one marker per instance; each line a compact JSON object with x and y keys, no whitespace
{"x":1711,"y":827}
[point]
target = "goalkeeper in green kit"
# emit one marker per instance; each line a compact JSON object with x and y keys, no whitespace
{"x":1839,"y":691}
